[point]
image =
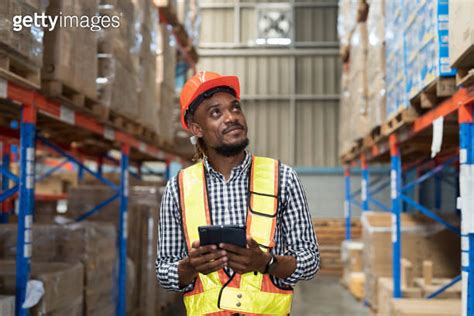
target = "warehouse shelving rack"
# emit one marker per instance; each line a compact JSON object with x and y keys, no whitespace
{"x":36,"y":112}
{"x":391,"y":149}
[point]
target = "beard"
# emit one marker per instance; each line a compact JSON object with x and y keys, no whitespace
{"x":232,"y":150}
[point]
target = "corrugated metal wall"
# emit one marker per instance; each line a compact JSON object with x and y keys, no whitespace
{"x":290,"y":93}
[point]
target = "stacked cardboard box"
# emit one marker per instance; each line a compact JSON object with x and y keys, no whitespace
{"x":346,"y":22}
{"x":358,"y":85}
{"x":70,"y":52}
{"x":461,"y":34}
{"x":62,"y":282}
{"x":26,"y":43}
{"x":346,"y":122}
{"x":421,"y":240}
{"x":351,"y":257}
{"x":7,"y":305}
{"x":331,"y":233}
{"x":94,"y":245}
{"x":376,"y":68}
{"x":118,"y":58}
{"x":426,"y":43}
{"x":424,"y":307}
{"x":165,"y":80}
{"x":395,"y":61}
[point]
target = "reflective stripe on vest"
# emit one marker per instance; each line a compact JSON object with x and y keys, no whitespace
{"x":250,"y":293}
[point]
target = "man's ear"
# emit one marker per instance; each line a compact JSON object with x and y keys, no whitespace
{"x":195,"y":129}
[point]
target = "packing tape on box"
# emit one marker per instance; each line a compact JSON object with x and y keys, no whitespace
{"x":34,"y":293}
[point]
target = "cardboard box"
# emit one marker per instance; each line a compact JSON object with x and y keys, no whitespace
{"x":385,"y":294}
{"x":461,"y":33}
{"x":424,"y":307}
{"x":351,"y":257}
{"x":70,"y":53}
{"x":422,"y":239}
{"x":63,"y":284}
{"x":7,"y":305}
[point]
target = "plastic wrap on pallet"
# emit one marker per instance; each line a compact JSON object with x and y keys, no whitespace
{"x":396,"y":97}
{"x":92,"y":244}
{"x":70,"y":51}
{"x":24,"y":43}
{"x":358,"y":85}
{"x":62,"y":282}
{"x":7,"y":305}
{"x":376,"y":67}
{"x":345,"y":113}
{"x":426,"y":36}
{"x":346,"y":20}
{"x":461,"y":33}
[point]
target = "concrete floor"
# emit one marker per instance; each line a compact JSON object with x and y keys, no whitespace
{"x":322,"y":296}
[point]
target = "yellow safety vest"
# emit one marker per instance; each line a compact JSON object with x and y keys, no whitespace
{"x":251,"y":293}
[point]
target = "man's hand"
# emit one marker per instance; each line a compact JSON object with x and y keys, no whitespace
{"x":243,"y":260}
{"x":205,"y":260}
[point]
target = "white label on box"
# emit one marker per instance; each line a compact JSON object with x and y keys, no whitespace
{"x":393,"y":184}
{"x":28,"y":221}
{"x":27,"y":251}
{"x":3,"y":88}
{"x":109,"y":133}
{"x":465,"y":243}
{"x":463,"y":155}
{"x":394,"y":228}
{"x":67,"y":115}
{"x":364,"y":190}
{"x":465,"y":259}
{"x":464,"y":280}
{"x":142,"y":147}
{"x":437,"y":139}
{"x":27,"y":236}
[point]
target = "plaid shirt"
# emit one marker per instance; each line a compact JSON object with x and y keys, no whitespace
{"x":294,"y":233}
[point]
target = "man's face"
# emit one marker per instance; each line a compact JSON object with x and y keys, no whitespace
{"x":220,"y":121}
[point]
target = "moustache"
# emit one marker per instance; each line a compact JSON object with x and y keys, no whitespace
{"x":233,"y":127}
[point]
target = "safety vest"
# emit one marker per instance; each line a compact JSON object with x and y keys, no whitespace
{"x":251,"y":293}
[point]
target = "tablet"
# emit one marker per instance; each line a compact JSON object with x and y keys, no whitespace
{"x":216,"y":234}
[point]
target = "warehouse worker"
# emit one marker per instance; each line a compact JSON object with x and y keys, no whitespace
{"x":230,"y":186}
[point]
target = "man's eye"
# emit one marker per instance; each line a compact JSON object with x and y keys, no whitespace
{"x":215,"y":112}
{"x":237,"y":106}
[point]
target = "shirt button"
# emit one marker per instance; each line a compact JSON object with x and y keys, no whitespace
{"x":239,"y":295}
{"x":238,"y":304}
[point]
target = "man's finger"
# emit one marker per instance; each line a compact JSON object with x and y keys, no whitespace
{"x":233,"y":248}
{"x":236,"y":258}
{"x":195,"y":244}
{"x":251,"y":242}
{"x":208,"y":257}
{"x":212,"y":266}
{"x":237,"y":266}
{"x":196,"y":252}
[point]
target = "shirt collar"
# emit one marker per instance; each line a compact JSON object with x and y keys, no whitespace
{"x":236,"y":171}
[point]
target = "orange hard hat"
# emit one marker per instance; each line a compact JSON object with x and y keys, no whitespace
{"x":202,"y":82}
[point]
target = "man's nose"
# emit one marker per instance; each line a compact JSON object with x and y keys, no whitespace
{"x":230,"y":116}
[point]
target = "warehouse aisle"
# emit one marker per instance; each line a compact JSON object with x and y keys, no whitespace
{"x":322,"y":296}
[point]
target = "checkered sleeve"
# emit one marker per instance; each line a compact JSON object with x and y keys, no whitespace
{"x":171,"y":242}
{"x":298,"y":233}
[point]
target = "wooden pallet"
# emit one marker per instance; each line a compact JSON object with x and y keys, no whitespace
{"x":465,"y":78}
{"x":126,"y":124}
{"x":431,"y":95}
{"x":373,"y":137}
{"x":401,"y":118}
{"x":18,"y":70}
{"x":79,"y":101}
{"x":354,"y":151}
